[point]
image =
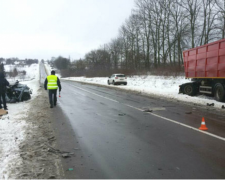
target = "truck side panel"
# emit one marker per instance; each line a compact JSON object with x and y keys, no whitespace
{"x":207,"y":61}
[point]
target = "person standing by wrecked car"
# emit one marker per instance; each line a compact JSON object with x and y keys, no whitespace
{"x":3,"y":84}
{"x":52,"y":83}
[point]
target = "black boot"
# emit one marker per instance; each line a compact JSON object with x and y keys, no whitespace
{"x":51,"y":104}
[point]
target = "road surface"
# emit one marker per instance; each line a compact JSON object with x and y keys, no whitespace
{"x":111,"y":136}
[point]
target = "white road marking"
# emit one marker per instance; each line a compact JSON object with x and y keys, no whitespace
{"x":167,"y":119}
{"x":210,"y":134}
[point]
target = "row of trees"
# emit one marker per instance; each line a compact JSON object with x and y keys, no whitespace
{"x":13,"y":61}
{"x":156,"y":33}
{"x":61,"y":63}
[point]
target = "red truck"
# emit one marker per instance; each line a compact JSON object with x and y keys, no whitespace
{"x":205,"y":66}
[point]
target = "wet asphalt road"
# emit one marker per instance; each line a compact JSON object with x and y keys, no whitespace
{"x":111,"y":137}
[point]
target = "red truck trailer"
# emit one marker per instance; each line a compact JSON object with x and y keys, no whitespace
{"x":205,"y":66}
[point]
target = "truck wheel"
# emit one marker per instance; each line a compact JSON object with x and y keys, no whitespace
{"x":219,"y":92}
{"x":189,"y":90}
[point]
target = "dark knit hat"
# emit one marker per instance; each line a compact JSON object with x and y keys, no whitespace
{"x":52,"y":72}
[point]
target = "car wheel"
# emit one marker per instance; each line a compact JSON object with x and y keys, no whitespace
{"x":114,"y":83}
{"x":108,"y":82}
{"x":219,"y":92}
{"x":125,"y":83}
{"x":26,"y":97}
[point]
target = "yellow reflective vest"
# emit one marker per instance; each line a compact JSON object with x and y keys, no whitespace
{"x":52,"y":82}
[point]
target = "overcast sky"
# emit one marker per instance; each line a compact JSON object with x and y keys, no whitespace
{"x":45,"y":28}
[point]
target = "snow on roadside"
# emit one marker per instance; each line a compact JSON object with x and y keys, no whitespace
{"x":163,"y":86}
{"x":13,"y":125}
{"x":49,"y":69}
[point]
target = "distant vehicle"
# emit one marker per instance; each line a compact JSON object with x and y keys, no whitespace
{"x":117,"y":79}
{"x":205,"y":66}
{"x":18,"y":93}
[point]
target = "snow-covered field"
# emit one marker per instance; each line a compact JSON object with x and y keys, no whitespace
{"x":163,"y":86}
{"x":12,"y":126}
{"x":30,"y":72}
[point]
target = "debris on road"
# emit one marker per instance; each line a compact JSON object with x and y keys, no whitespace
{"x":147,"y":110}
{"x":57,"y":151}
{"x":212,"y":104}
{"x":188,"y":112}
{"x":151,"y":109}
{"x":65,"y":155}
{"x":51,"y":138}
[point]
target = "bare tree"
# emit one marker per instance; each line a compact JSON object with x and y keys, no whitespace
{"x":221,"y":10}
{"x":192,"y":8}
{"x":157,"y":32}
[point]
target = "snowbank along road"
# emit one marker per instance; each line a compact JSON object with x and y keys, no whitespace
{"x":27,"y":141}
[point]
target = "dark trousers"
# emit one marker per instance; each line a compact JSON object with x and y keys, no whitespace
{"x":52,"y":96}
{"x":2,"y":98}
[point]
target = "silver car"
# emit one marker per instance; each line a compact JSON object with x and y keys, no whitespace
{"x":117,"y":79}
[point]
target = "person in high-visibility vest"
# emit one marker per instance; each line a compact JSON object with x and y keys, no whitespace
{"x":52,"y":83}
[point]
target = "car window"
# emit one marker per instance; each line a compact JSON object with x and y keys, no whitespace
{"x":120,"y":75}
